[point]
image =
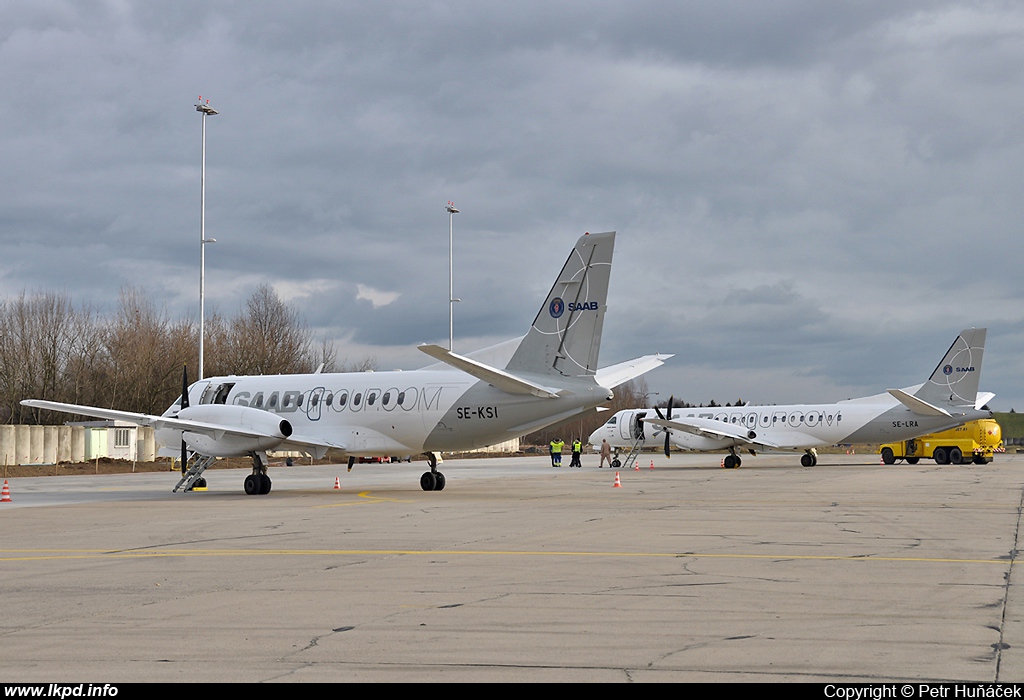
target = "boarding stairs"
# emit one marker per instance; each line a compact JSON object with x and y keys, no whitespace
{"x":200,"y":465}
{"x":634,"y":452}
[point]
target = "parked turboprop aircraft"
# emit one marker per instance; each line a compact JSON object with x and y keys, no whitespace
{"x":949,"y":398}
{"x":552,"y":375}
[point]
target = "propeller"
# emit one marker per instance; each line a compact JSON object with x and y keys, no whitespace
{"x":184,"y":404}
{"x":665,"y":428}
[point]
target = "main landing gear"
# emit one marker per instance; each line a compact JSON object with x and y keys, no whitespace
{"x":810,"y":458}
{"x":258,"y":483}
{"x":432,"y":480}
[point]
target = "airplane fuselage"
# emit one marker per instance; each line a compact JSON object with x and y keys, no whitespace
{"x":873,"y":419}
{"x":386,"y":413}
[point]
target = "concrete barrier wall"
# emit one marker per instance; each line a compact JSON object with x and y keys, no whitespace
{"x":8,"y":454}
{"x":49,"y":444}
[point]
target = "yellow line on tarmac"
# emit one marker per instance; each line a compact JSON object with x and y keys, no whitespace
{"x":367,"y":499}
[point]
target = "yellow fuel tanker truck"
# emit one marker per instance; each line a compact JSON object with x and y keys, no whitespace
{"x":973,"y":442}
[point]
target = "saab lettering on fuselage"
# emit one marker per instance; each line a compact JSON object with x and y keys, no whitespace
{"x":315,"y":402}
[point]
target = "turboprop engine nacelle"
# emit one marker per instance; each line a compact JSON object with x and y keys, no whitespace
{"x":265,"y":430}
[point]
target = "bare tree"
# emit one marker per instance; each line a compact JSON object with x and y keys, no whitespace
{"x":268,"y":337}
{"x":39,"y":335}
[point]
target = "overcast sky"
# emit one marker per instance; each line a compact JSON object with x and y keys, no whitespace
{"x":812,"y":198}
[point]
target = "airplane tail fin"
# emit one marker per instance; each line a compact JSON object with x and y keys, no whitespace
{"x":955,"y":380}
{"x":565,"y":338}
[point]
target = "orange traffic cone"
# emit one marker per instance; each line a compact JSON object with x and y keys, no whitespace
{"x":652,"y":464}
{"x":5,"y":497}
{"x":337,"y":483}
{"x":636,"y":466}
{"x":618,"y":484}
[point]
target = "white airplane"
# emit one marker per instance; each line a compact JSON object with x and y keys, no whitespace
{"x":949,"y":398}
{"x":459,"y":403}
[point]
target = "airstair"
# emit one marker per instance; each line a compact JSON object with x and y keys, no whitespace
{"x":195,"y":472}
{"x":634,"y":452}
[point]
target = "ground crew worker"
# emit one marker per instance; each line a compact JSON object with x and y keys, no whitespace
{"x":577,"y":447}
{"x":606,"y":453}
{"x":556,"y":452}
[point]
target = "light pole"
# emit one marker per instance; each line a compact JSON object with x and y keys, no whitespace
{"x":206,"y":110}
{"x":452,"y":211}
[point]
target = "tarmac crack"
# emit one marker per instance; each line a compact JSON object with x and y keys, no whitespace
{"x":1001,"y":644}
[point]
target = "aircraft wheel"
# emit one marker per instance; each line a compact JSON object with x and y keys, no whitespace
{"x":265,"y":485}
{"x":438,"y":481}
{"x":807,"y":460}
{"x":913,"y":460}
{"x":616,"y":463}
{"x":200,"y":483}
{"x":428,"y":482}
{"x":956,"y":456}
{"x":253,"y":484}
{"x":730,"y":462}
{"x":940,"y":455}
{"x":887,"y":456}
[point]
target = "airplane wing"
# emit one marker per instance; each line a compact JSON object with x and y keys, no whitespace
{"x":715,"y":429}
{"x":215,"y":430}
{"x":614,"y":375}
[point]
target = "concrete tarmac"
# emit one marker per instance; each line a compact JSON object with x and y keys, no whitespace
{"x":846,"y":572}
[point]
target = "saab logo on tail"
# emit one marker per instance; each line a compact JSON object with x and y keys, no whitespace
{"x":948,"y":369}
{"x":557,"y":307}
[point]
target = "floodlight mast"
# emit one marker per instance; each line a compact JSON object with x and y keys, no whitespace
{"x":452,"y":211}
{"x":206,"y":110}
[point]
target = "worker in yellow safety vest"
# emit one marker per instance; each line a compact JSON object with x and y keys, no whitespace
{"x":577,"y":448}
{"x":556,"y":452}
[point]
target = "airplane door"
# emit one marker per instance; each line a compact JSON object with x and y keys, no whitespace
{"x":626,"y":426}
{"x":316,"y":399}
{"x":632,"y":427}
{"x":216,"y":393}
{"x":196,"y":391}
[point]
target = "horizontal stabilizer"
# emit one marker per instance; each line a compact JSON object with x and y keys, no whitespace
{"x":509,"y":383}
{"x":918,"y":406}
{"x":614,"y":375}
{"x":983,"y":398}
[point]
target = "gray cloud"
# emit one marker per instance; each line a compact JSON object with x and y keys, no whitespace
{"x":811,"y":199}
